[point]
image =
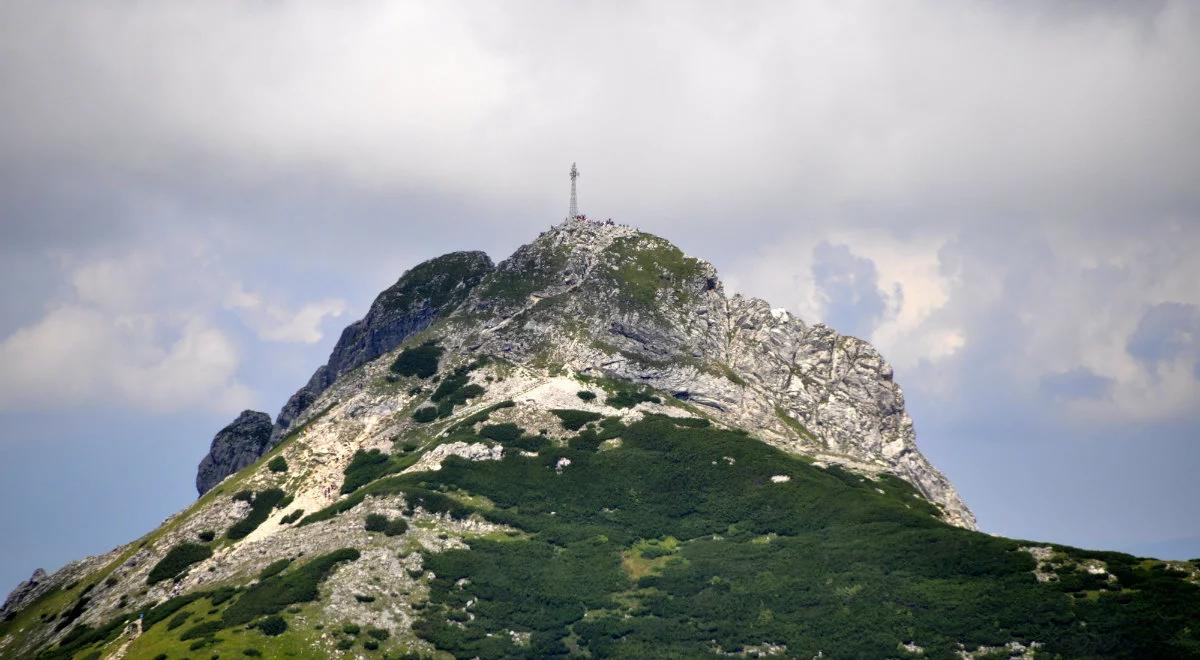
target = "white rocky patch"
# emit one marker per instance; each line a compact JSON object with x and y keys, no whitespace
{"x":780,"y":479}
{"x":431,"y":461}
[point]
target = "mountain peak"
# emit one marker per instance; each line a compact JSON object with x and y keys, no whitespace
{"x":590,"y":449}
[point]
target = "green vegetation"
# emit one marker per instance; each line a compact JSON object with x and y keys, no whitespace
{"x":436,"y":283}
{"x":272,"y":626}
{"x":643,"y":266}
{"x":207,"y":535}
{"x":292,"y":517}
{"x":822,"y":562}
{"x":586,"y":395}
{"x":454,"y":390}
{"x":272,"y":595}
{"x":377,"y":522}
{"x":590,"y":439}
{"x":573,"y":420}
{"x":483,"y":415}
{"x":503,"y":433}
{"x":260,"y":508}
{"x":420,"y":361}
{"x":630,"y":397}
{"x":277,"y":464}
{"x":274,"y":568}
{"x":364,"y":467}
{"x":425,"y":415}
{"x":530,"y":269}
{"x":177,"y":560}
{"x":367,"y":466}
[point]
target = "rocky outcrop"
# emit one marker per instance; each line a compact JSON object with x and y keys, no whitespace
{"x":233,"y":448}
{"x":21,"y":595}
{"x":422,"y":294}
{"x":605,"y":299}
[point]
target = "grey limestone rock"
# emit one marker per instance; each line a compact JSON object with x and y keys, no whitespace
{"x":234,"y":447}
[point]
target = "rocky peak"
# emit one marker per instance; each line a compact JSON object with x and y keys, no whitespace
{"x":601,"y":298}
{"x":234,"y":447}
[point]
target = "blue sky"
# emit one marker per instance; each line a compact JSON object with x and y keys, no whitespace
{"x":1004,"y":197}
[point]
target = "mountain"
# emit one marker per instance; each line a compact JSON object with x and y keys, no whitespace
{"x":591,"y":450}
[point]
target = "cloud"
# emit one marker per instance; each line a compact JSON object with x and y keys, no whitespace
{"x":275,"y":323}
{"x":1078,"y":383}
{"x":142,"y":329}
{"x":1166,"y":331}
{"x":815,"y":106}
{"x":847,"y":286}
{"x":83,"y":356}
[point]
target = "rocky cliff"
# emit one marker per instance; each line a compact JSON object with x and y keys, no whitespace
{"x":234,"y":447}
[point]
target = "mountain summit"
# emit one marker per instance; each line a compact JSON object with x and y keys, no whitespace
{"x":590,"y":450}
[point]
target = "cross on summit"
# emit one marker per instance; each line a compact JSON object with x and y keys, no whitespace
{"x":573,"y":211}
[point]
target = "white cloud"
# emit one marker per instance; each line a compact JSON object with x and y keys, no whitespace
{"x":84,"y":356}
{"x":141,"y":330}
{"x":275,"y":323}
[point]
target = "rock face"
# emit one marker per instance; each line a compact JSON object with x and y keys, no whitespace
{"x":21,"y":594}
{"x":233,"y":448}
{"x":421,"y":295}
{"x":605,"y":299}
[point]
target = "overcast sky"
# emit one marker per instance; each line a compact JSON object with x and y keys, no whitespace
{"x":1004,"y":196}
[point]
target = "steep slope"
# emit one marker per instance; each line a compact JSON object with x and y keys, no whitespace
{"x":597,"y":453}
{"x":422,"y":294}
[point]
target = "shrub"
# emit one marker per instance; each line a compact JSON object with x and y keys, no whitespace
{"x":296,"y":586}
{"x":370,"y":644}
{"x":351,"y":629}
{"x":243,"y":496}
{"x":178,"y":559}
{"x":630,"y":397}
{"x":345,"y":644}
{"x":207,"y":535}
{"x":483,"y":415}
{"x":425,"y":415}
{"x":378,"y":633}
{"x":364,"y":467}
{"x":283,"y":503}
{"x":395,"y":527}
{"x":178,"y":620}
{"x":277,"y":464}
{"x":202,"y":629}
{"x":260,"y":508}
{"x":291,"y":517}
{"x":420,"y":361}
{"x":363,"y":598}
{"x":273,"y":626}
{"x":573,"y":420}
{"x":274,"y":568}
{"x":253,"y":652}
{"x":161,"y":656}
{"x":376,"y":522}
{"x":586,"y":395}
{"x":501,"y":432}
